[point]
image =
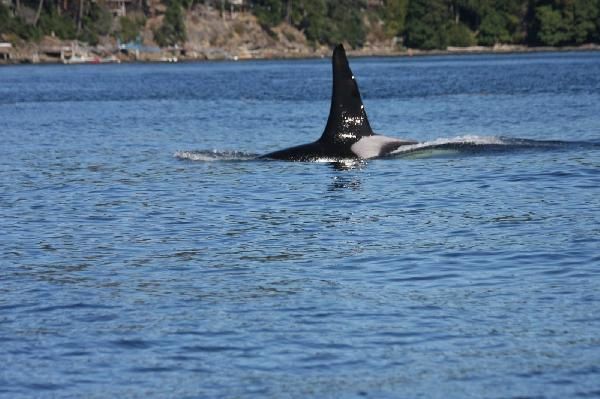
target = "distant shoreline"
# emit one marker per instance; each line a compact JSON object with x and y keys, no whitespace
{"x":32,"y":56}
{"x":477,"y":50}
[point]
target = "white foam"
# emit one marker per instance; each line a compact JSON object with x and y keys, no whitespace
{"x":466,"y":139}
{"x":214,"y":155}
{"x":348,"y":161}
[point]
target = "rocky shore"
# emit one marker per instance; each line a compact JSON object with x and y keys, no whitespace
{"x":212,"y":36}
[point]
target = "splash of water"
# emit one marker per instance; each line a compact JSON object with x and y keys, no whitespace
{"x":214,"y":155}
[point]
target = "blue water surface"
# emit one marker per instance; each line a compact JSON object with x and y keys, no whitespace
{"x":129,"y":270}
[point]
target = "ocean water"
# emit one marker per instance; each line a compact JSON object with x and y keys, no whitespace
{"x":144,"y":253}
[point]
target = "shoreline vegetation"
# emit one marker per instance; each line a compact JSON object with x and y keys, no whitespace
{"x":98,"y":31}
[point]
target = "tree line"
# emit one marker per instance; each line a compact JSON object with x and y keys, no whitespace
{"x":437,"y":24}
{"x":421,"y":24}
{"x":87,"y":20}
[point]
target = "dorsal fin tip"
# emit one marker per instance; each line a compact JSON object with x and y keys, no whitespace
{"x":339,"y":63}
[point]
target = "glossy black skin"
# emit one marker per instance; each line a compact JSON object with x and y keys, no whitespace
{"x":312,"y":151}
{"x":338,"y":136}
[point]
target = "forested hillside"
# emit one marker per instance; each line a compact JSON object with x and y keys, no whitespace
{"x":436,"y":24}
{"x":418,"y":24}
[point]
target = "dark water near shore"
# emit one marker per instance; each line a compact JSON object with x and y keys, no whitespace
{"x":143,"y":254}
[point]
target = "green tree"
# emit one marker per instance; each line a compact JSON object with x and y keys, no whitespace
{"x":38,"y":12}
{"x":310,"y":16}
{"x":596,"y":36}
{"x":330,"y":21}
{"x":425,"y":22}
{"x":551,"y":29}
{"x":130,"y":28}
{"x":63,"y":26}
{"x":584,"y":17}
{"x":97,"y":21}
{"x":494,"y":29}
{"x":458,"y":34}
{"x":346,"y":23}
{"x":17,"y":26}
{"x":563,"y":22}
{"x":172,"y":30}
{"x":5,"y":17}
{"x":394,"y":16}
{"x":268,"y":12}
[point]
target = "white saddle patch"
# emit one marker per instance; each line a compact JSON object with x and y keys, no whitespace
{"x":371,"y":146}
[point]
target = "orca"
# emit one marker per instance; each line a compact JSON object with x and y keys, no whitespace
{"x":347,"y":135}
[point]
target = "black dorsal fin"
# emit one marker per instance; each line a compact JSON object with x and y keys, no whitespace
{"x":347,"y":121}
